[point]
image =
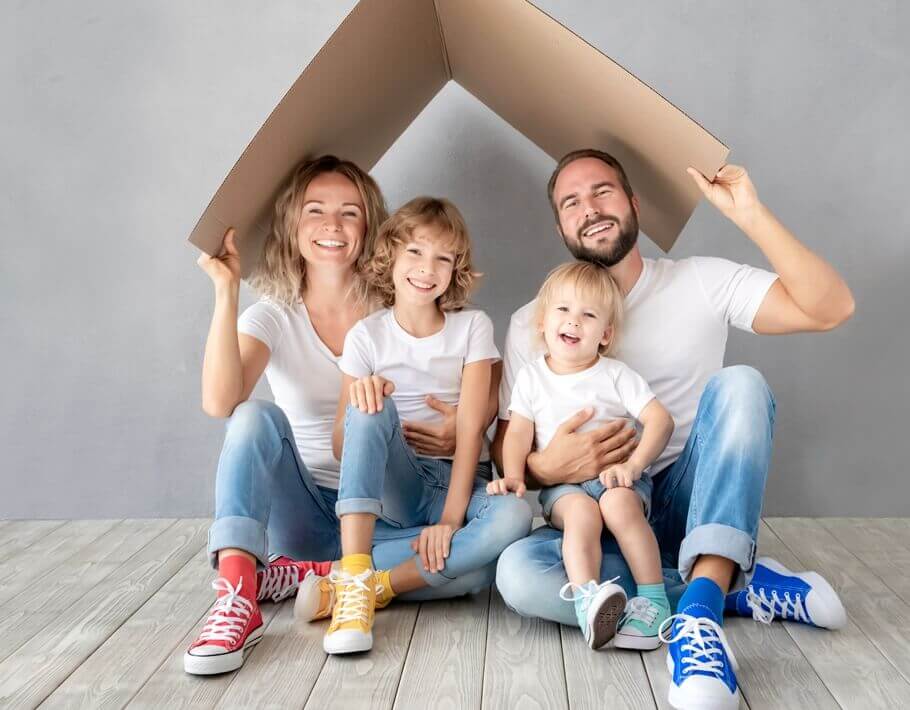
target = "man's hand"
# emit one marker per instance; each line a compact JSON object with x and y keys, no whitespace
{"x":366,"y":393}
{"x":433,"y":546}
{"x":437,"y":439}
{"x":573,"y":457}
{"x":731,"y":191}
{"x":620,"y":475}
{"x":503,"y":486}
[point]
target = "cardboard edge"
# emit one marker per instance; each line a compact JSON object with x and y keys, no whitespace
{"x":442,"y":41}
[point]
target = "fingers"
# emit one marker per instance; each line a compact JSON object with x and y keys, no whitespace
{"x":439,"y":405}
{"x":497,"y":487}
{"x":729,"y":173}
{"x":703,"y":184}
{"x":378,"y":385}
{"x":366,"y":394}
{"x":617,"y":448}
{"x":520,"y":489}
{"x":387,"y":387}
{"x":608,"y":430}
{"x":422,"y":549}
{"x":575,"y":421}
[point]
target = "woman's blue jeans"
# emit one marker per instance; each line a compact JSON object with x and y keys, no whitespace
{"x":381,"y":474}
{"x":266,"y":502}
{"x":708,"y":502}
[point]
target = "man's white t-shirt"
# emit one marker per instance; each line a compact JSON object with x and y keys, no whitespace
{"x":418,"y":367}
{"x":546,"y":398}
{"x":674,"y":333}
{"x":305,"y":380}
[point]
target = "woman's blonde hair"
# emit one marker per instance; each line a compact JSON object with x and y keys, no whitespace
{"x":281,"y":272}
{"x":590,"y":281}
{"x":398,"y":231}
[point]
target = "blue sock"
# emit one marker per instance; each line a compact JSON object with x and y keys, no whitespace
{"x":703,"y":598}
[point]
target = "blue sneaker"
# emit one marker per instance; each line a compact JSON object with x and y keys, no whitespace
{"x":776,"y":592}
{"x":701,"y":664}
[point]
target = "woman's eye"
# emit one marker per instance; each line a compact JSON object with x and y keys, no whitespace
{"x":315,"y":210}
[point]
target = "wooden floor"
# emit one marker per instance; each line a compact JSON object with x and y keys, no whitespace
{"x":99,"y":613}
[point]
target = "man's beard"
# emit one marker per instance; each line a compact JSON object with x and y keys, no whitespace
{"x":608,"y":254}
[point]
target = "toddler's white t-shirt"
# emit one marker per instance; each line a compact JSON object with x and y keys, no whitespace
{"x":418,"y":367}
{"x":304,"y":377}
{"x":613,"y":388}
{"x":674,"y":334}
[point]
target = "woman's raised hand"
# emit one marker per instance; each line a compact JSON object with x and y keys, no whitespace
{"x":223,"y":269}
{"x":367,"y":393}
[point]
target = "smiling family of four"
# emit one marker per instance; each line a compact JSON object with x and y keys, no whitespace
{"x":611,"y":397}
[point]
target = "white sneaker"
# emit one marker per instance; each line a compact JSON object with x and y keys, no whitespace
{"x":598,"y":608}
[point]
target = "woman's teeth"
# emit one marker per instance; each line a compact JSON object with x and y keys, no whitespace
{"x":331,"y":243}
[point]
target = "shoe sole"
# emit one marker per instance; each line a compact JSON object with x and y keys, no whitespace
{"x":636,"y":643}
{"x":677,"y":699}
{"x":607,"y":619}
{"x":223,"y":662}
{"x":340,"y":643}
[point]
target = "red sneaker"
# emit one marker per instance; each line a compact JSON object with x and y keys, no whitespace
{"x":233,"y":627}
{"x":282,"y":577}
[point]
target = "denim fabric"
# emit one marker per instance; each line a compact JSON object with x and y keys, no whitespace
{"x":381,"y":474}
{"x":593,"y":489}
{"x":707,"y":502}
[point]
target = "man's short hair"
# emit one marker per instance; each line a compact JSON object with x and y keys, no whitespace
{"x":587,"y":153}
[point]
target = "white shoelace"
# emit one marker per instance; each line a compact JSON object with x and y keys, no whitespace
{"x":229,"y":614}
{"x":640,"y":609}
{"x":353,"y":601}
{"x":278,"y":582}
{"x":764,"y":609}
{"x":571,"y":591}
{"x":706,"y":642}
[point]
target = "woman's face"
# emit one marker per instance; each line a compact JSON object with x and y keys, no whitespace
{"x":332,"y":222}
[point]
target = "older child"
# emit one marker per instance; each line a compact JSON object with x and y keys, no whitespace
{"x":579,"y":309}
{"x":423,"y":341}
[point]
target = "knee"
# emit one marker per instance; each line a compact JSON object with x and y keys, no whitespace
{"x":356,"y":420}
{"x":510,"y":520}
{"x":518,"y":592}
{"x":621,"y":508}
{"x":477,"y":581}
{"x":255,"y":420}
{"x":743,"y":396}
{"x":581,"y":513}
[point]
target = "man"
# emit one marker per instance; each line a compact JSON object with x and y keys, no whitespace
{"x":710,"y":480}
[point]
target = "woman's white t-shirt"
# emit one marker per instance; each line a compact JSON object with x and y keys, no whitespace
{"x":378,"y":345}
{"x":677,"y":317}
{"x":611,"y":387}
{"x":305,"y":380}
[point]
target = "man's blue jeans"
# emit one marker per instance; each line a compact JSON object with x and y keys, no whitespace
{"x":708,"y":502}
{"x":266,"y":502}
{"x":381,"y":474}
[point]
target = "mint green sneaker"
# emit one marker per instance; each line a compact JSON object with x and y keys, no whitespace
{"x":598,"y":608}
{"x":639,"y":626}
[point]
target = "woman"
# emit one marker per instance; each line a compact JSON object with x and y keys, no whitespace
{"x":277,"y":479}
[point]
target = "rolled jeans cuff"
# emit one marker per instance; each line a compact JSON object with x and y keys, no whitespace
{"x":243,"y":533}
{"x":358,"y":505}
{"x":720,"y":540}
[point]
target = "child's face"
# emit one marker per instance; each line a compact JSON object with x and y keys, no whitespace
{"x":423,"y":267}
{"x":574,"y":327}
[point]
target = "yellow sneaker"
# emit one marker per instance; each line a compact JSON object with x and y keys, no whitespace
{"x":351,"y":630}
{"x":316,"y":597}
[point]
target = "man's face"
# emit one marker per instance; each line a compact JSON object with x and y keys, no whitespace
{"x":597,"y":220}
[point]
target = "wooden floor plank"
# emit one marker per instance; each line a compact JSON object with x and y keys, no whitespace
{"x":171,"y":687}
{"x":853,"y":668}
{"x":20,"y":571}
{"x":446,"y":654}
{"x":62,"y":586}
{"x":879,"y":545}
{"x":367,"y":680}
{"x":593,"y":676}
{"x":524,"y":663}
{"x":115,"y":672}
{"x":44,"y":662}
{"x":17,"y":535}
{"x":283,"y":668}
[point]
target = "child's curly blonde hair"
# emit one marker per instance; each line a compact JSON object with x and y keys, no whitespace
{"x":590,"y":281}
{"x":398,"y":231}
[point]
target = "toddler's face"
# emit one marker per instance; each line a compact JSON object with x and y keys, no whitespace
{"x":574,"y":327}
{"x":423,"y":267}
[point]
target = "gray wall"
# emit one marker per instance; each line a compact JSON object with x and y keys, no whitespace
{"x":120,"y":119}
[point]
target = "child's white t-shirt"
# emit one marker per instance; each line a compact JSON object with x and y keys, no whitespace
{"x":304,"y":377}
{"x":677,"y":317}
{"x":611,"y":387}
{"x":418,"y":367}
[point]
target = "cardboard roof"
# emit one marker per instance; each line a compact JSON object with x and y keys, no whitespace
{"x":389,"y":58}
